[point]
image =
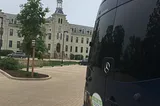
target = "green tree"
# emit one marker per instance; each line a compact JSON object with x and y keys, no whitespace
{"x":31,"y":17}
{"x":41,"y":48}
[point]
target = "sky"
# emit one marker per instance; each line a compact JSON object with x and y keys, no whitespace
{"x":81,"y":12}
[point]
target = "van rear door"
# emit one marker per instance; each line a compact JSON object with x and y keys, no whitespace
{"x":135,"y":48}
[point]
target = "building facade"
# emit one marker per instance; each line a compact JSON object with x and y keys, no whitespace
{"x":62,"y":38}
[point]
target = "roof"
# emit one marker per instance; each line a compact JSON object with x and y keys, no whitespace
{"x":81,"y":26}
{"x":10,"y":16}
{"x":59,"y":11}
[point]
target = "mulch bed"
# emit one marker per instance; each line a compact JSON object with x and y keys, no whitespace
{"x":24,"y":74}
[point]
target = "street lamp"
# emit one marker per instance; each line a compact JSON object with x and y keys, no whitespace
{"x":1,"y":32}
{"x":33,"y":56}
{"x":63,"y":46}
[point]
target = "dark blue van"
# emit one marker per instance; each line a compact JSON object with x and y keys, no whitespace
{"x":124,"y":68}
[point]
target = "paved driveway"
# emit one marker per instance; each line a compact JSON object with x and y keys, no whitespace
{"x":64,"y":89}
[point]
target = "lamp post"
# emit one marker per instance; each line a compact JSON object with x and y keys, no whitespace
{"x":63,"y":46}
{"x":1,"y":31}
{"x":33,"y":56}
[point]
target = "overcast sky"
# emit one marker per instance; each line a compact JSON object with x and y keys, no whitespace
{"x":82,"y":12}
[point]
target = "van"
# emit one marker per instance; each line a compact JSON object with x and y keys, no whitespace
{"x":123,"y":66}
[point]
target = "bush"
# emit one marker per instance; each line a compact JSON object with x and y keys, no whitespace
{"x":78,"y":57}
{"x":9,"y":64}
{"x":5,"y":52}
{"x":72,"y":56}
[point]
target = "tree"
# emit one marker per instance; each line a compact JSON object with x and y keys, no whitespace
{"x":31,"y":17}
{"x":41,"y":48}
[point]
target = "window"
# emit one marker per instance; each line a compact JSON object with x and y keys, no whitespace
{"x":87,"y":40}
{"x":71,"y":49}
{"x":18,"y":44}
{"x":59,"y":20}
{"x":10,"y":43}
{"x":1,"y":43}
{"x":67,"y":38}
{"x":82,"y":40}
{"x":75,"y":30}
{"x":76,"y":49}
{"x":81,"y":49}
{"x":103,"y":26}
{"x":18,"y":33}
{"x":72,"y":29}
{"x":87,"y":50}
{"x":136,"y":36}
{"x":57,"y":35}
{"x":90,"y":32}
{"x":11,"y":32}
{"x":76,"y":39}
{"x":49,"y":36}
{"x":71,"y":38}
{"x":12,"y":21}
{"x":66,"y":48}
{"x":49,"y":46}
{"x":83,"y":31}
{"x":61,"y":36}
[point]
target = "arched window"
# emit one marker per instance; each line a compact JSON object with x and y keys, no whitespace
{"x":59,"y":20}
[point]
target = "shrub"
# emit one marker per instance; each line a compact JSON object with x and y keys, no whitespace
{"x":9,"y":64}
{"x":78,"y":57}
{"x":72,"y":56}
{"x":5,"y":52}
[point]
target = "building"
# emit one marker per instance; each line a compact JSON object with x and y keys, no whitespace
{"x":62,"y":37}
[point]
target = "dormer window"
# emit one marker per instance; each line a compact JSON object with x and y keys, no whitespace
{"x":12,"y":21}
{"x":83,"y":31}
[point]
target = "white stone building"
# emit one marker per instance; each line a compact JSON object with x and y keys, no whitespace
{"x":76,"y":37}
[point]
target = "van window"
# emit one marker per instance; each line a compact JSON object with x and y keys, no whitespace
{"x":103,"y":29}
{"x":136,"y":41}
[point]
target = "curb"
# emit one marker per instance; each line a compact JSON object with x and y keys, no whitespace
{"x":25,"y":79}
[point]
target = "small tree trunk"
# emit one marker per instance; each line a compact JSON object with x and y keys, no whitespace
{"x":28,"y":63}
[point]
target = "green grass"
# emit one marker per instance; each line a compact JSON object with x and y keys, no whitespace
{"x":52,"y":63}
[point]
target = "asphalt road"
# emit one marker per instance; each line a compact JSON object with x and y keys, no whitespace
{"x":64,"y":89}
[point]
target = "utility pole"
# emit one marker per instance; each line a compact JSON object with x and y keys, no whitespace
{"x":63,"y":47}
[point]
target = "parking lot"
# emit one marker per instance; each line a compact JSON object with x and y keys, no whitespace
{"x":64,"y":89}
